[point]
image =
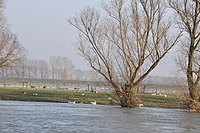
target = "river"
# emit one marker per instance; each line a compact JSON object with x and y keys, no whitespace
{"x":41,"y":117}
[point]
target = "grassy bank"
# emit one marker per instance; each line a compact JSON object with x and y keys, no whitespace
{"x":44,"y":95}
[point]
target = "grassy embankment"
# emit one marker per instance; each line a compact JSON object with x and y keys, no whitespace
{"x":44,"y":95}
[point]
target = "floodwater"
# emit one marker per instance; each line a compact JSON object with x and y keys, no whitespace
{"x":34,"y":117}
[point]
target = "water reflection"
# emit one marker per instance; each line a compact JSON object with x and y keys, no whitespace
{"x":63,"y":117}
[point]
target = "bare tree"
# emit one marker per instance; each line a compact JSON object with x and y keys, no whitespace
{"x":19,"y":71}
{"x":43,"y":69}
{"x":11,"y":52}
{"x":61,"y":67}
{"x":188,"y":12}
{"x":126,"y":44}
{"x":34,"y":68}
{"x":67,"y":68}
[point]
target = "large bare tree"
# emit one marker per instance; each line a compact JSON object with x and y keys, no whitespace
{"x":126,"y":44}
{"x":11,"y":52}
{"x":188,"y":12}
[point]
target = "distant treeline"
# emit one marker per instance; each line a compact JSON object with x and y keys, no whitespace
{"x":60,"y":68}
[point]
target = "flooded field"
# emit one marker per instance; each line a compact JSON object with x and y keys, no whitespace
{"x":43,"y":117}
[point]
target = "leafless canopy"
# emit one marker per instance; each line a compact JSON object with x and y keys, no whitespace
{"x":11,"y":52}
{"x":126,"y":44}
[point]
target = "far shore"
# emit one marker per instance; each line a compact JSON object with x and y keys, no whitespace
{"x":86,"y":97}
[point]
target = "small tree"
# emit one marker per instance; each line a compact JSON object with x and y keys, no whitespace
{"x":188,"y":12}
{"x":126,"y":44}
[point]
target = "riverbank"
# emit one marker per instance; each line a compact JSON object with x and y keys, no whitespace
{"x":103,"y":98}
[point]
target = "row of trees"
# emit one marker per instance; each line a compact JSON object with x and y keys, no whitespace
{"x":59,"y":67}
{"x":129,"y":40}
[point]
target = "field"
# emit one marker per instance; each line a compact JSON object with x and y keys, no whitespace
{"x":104,"y":98}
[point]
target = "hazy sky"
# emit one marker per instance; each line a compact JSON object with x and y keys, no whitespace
{"x":42,"y":28}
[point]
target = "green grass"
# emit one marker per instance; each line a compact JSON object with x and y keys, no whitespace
{"x":161,"y":101}
{"x":45,"y":95}
{"x":53,"y":95}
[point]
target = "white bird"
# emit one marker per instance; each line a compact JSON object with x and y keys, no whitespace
{"x":71,"y":102}
{"x":94,"y":103}
{"x":140,"y":105}
{"x":35,"y":94}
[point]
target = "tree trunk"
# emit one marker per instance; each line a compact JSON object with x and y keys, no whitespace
{"x":193,"y":93}
{"x":128,"y":98}
{"x":190,"y":80}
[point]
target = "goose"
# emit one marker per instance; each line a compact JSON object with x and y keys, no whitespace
{"x":35,"y":94}
{"x":140,"y":105}
{"x":71,"y":102}
{"x":94,"y":103}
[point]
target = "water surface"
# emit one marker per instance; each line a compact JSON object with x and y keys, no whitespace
{"x":26,"y":117}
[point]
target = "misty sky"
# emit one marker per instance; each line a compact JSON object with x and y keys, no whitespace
{"x":42,"y":28}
